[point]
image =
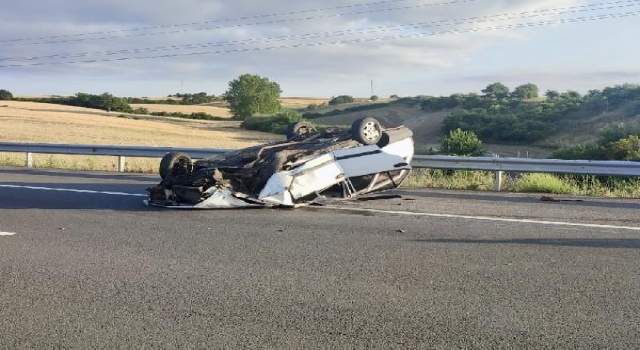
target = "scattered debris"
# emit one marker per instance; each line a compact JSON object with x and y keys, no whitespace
{"x":376,"y":197}
{"x":553,"y":199}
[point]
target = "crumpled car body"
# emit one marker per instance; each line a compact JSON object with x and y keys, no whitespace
{"x":308,"y":166}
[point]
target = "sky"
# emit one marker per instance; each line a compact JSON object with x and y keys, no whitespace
{"x":317,"y":48}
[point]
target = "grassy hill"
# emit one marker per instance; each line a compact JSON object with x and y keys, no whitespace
{"x":427,"y":126}
{"x":575,"y":131}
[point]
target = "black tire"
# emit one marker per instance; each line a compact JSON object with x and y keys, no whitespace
{"x":299,"y":129}
{"x":175,"y":163}
{"x":366,"y":130}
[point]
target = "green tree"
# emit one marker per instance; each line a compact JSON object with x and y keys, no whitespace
{"x":341,"y":99}
{"x":616,"y":142}
{"x":525,"y":91}
{"x":496,"y":90}
{"x":194,"y":99}
{"x":6,"y":95}
{"x":624,"y":149}
{"x":107,"y":102}
{"x":552,"y":94}
{"x":275,"y":123}
{"x":251,"y":94}
{"x":461,"y":143}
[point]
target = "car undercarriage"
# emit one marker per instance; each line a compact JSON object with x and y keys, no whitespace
{"x":309,"y":164}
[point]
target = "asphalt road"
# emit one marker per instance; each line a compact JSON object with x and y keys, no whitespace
{"x":90,"y":266}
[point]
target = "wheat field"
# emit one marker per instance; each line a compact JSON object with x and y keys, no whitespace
{"x":301,"y":102}
{"x":217,"y":111}
{"x":50,"y":123}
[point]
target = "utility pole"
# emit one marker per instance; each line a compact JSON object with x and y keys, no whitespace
{"x":371,"y":88}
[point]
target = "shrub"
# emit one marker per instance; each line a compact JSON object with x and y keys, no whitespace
{"x":617,"y":142}
{"x":195,"y":115}
{"x":451,"y":179}
{"x":6,"y":95}
{"x":140,"y":110}
{"x":275,"y":124}
{"x":461,"y":143}
{"x":543,"y":183}
{"x":341,"y":99}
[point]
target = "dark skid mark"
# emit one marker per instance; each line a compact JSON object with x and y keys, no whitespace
{"x":371,"y":198}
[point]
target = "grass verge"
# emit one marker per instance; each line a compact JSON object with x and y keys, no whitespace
{"x":79,"y":162}
{"x":578,"y":185}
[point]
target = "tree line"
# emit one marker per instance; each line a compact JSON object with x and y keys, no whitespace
{"x":497,"y":115}
{"x":516,"y":117}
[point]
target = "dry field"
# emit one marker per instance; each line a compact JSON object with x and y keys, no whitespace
{"x":50,"y":123}
{"x":301,"y":102}
{"x":218,"y":108}
{"x":187,"y":109}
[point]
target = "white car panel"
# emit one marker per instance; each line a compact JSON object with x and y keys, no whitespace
{"x":402,"y":148}
{"x":316,"y":179}
{"x":370,"y":161}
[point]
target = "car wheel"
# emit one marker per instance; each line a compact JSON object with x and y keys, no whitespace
{"x":299,"y":129}
{"x":175,"y":163}
{"x":366,"y":130}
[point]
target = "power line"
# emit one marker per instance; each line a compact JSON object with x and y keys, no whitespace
{"x":208,"y":22}
{"x":451,"y":2}
{"x":351,"y":41}
{"x":328,"y":34}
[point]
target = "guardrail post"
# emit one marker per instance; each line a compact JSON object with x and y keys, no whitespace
{"x":29,"y":160}
{"x":497,"y":185}
{"x":121,"y":160}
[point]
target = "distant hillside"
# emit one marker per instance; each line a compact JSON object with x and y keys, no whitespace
{"x":425,"y":125}
{"x":574,"y":131}
{"x":573,"y":128}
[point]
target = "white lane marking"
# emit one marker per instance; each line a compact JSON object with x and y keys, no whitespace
{"x":7,"y":233}
{"x":410,"y":213}
{"x":75,"y":190}
{"x":486,"y":218}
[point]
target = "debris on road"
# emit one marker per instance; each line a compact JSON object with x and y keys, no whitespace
{"x":553,"y":199}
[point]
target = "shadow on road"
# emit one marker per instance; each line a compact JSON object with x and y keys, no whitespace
{"x":69,"y":196}
{"x":563,"y":242}
{"x":150,"y":178}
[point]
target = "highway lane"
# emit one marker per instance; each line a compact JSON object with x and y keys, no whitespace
{"x":91,"y":269}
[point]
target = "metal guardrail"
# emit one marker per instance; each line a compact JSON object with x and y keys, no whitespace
{"x":528,"y":165}
{"x":103,"y":150}
{"x":496,"y":164}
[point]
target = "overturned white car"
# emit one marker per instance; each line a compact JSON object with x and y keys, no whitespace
{"x":310,"y":164}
